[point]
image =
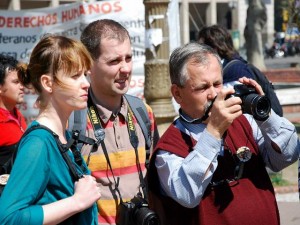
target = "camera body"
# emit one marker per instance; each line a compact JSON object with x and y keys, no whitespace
{"x":252,"y":103}
{"x":136,"y":212}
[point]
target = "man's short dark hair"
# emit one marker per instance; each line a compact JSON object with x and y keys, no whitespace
{"x":96,"y":31}
{"x":7,"y":63}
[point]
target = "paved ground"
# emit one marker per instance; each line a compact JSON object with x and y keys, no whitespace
{"x":289,"y":213}
{"x":287,"y":197}
{"x":284,"y":62}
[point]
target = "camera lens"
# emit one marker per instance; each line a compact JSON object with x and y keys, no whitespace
{"x":145,"y":216}
{"x":258,"y":106}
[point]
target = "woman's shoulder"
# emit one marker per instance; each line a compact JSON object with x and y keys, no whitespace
{"x":235,"y":69}
{"x":37,"y":135}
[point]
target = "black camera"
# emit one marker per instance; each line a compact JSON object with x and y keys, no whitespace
{"x":252,"y":103}
{"x":136,"y":212}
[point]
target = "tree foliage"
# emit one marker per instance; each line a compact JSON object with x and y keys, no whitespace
{"x":292,"y":7}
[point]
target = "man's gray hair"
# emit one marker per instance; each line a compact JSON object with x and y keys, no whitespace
{"x":181,"y":56}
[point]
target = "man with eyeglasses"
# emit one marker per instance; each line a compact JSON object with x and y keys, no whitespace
{"x":209,"y":167}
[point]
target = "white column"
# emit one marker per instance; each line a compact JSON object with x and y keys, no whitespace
{"x":54,"y":3}
{"x":14,"y":5}
{"x":211,"y":13}
{"x":185,"y":22}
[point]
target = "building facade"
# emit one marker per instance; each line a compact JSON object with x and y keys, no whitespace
{"x":194,"y":14}
{"x":229,"y":13}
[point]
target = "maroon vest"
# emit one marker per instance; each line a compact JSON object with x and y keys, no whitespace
{"x":250,"y":200}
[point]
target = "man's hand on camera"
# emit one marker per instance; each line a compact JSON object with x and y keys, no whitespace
{"x":253,"y":83}
{"x":223,"y":112}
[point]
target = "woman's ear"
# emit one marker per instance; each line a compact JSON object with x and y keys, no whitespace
{"x":46,"y":82}
{"x":176,"y":92}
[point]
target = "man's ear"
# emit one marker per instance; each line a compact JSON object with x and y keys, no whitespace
{"x":46,"y":82}
{"x":176,"y":92}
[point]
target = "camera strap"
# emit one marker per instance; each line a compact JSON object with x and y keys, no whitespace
{"x":63,"y":150}
{"x":100,"y":135}
{"x":135,"y":142}
{"x":183,"y":117}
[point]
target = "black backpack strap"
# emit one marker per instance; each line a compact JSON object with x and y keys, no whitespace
{"x":6,"y":152}
{"x":77,"y":122}
{"x":141,"y":114}
{"x":230,"y":63}
{"x":299,"y":176}
{"x":64,"y":151}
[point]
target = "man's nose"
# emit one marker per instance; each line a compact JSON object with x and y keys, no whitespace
{"x":212,"y":93}
{"x":125,"y":67}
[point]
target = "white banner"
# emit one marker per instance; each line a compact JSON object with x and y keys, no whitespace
{"x":21,"y":30}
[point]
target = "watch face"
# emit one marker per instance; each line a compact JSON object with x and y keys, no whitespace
{"x":4,"y":179}
{"x":244,"y":154}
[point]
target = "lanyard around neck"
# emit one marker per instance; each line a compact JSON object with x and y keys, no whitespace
{"x":100,"y":135}
{"x":183,"y":117}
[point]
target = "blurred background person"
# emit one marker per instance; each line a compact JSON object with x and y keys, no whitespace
{"x":12,"y":122}
{"x":220,"y":39}
{"x":234,"y":66}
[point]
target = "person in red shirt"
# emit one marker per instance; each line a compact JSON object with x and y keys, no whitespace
{"x":12,"y":122}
